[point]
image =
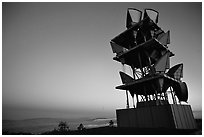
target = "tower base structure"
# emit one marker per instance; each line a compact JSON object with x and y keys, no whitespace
{"x":170,"y":116}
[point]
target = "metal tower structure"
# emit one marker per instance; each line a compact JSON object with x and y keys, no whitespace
{"x":143,"y":46}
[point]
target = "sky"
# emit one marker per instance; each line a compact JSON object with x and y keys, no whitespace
{"x":57,"y":59}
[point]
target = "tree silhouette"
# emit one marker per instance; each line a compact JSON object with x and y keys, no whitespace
{"x":81,"y":127}
{"x":111,"y":123}
{"x":63,"y":127}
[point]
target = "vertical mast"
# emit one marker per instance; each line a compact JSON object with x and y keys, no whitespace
{"x":127,"y":105}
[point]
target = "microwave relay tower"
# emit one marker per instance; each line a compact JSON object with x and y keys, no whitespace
{"x":157,"y":88}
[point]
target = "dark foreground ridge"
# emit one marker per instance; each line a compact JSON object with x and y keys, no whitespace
{"x":128,"y":131}
{"x":122,"y":131}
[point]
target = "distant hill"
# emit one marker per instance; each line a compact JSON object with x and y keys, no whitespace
{"x":197,"y":114}
{"x":39,"y":125}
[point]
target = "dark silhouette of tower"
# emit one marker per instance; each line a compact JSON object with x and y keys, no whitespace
{"x":158,"y":89}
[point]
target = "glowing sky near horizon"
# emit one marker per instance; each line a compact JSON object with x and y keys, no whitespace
{"x":57,"y":60}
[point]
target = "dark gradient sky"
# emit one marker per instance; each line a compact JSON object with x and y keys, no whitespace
{"x":57,"y":60}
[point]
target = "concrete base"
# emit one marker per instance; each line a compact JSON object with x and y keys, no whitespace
{"x":170,"y":116}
